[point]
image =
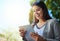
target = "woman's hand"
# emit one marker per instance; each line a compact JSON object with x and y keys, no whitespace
{"x":22,"y":32}
{"x":36,"y":37}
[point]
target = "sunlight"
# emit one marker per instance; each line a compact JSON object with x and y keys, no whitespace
{"x":15,"y":13}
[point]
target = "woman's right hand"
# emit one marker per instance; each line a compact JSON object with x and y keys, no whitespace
{"x":37,"y":37}
{"x":22,"y":32}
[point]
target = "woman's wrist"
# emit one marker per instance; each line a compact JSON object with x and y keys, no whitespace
{"x":41,"y":39}
{"x":24,"y":38}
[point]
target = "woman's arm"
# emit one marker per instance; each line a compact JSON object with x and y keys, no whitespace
{"x":56,"y":29}
{"x":22,"y":33}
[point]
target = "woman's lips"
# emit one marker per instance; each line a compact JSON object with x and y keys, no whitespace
{"x":38,"y":15}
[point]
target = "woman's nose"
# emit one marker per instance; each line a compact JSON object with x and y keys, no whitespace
{"x":36,"y":12}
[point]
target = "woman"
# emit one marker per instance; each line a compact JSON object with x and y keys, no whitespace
{"x":46,"y":28}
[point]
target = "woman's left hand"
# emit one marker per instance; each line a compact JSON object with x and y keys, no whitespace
{"x":36,"y":37}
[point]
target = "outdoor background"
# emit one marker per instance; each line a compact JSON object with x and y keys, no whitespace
{"x":15,"y":13}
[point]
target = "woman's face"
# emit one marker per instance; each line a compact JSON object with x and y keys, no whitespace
{"x":38,"y":12}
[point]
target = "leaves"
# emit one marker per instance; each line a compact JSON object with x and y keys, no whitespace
{"x":31,"y":16}
{"x":32,"y":1}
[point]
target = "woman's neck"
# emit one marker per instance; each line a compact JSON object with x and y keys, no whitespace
{"x":41,"y":20}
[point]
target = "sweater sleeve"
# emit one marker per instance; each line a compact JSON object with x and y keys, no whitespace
{"x":56,"y":29}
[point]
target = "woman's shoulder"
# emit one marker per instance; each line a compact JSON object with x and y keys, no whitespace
{"x":52,"y":20}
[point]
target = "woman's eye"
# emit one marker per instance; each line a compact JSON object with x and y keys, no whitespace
{"x":38,"y":9}
{"x":33,"y":11}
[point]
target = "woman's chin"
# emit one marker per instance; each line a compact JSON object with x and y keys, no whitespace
{"x":37,"y":18}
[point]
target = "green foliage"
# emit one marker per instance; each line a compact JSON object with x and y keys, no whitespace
{"x":10,"y":35}
{"x":2,"y":35}
{"x":32,"y":1}
{"x":31,"y":16}
{"x":54,"y":6}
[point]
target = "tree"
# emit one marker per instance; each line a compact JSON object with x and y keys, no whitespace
{"x":54,"y":6}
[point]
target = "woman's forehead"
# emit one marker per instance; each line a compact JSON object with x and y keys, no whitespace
{"x":35,"y":7}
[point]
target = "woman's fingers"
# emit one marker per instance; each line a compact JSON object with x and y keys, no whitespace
{"x":22,"y":31}
{"x":22,"y":34}
{"x":33,"y":34}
